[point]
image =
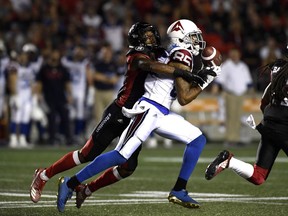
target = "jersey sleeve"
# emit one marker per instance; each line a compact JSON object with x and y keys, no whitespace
{"x":134,"y":55}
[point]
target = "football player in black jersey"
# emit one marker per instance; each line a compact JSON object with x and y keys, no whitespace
{"x":273,"y":129}
{"x":144,"y":43}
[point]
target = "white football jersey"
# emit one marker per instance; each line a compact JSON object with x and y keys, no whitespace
{"x":161,"y":87}
{"x":149,"y":117}
{"x":77,"y":70}
{"x":25,"y":79}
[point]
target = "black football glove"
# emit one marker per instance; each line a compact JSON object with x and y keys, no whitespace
{"x":188,"y":76}
{"x":208,"y":74}
{"x":205,"y":72}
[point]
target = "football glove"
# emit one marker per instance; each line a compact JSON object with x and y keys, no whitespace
{"x":188,"y":76}
{"x":208,"y":74}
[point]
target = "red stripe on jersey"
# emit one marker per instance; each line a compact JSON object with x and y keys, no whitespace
{"x":133,"y":86}
{"x":134,"y":126}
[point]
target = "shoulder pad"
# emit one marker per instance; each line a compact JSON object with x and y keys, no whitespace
{"x":161,"y":55}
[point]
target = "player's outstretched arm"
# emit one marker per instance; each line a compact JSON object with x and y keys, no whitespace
{"x":157,"y":67}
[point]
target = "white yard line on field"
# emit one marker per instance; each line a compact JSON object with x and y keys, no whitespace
{"x":204,"y":159}
{"x":138,"y":197}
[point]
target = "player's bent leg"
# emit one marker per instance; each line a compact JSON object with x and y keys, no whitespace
{"x":220,"y":163}
{"x":182,"y":198}
{"x":259,"y":175}
{"x":179,"y":194}
{"x":110,"y":176}
{"x":41,"y":176}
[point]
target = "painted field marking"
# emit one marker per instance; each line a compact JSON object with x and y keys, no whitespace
{"x":139,"y":197}
{"x":204,"y":159}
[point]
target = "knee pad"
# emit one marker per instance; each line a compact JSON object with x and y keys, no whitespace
{"x":259,"y":175}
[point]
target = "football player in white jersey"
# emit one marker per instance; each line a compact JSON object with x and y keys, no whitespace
{"x":35,"y":59}
{"x":21,"y":77}
{"x":79,"y":69}
{"x":140,"y":60}
{"x":152,"y":114}
{"x":38,"y":115}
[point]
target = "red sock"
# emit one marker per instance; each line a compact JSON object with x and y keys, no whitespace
{"x":259,"y":176}
{"x":107,"y":178}
{"x":64,"y":163}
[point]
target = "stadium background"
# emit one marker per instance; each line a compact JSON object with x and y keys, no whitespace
{"x":258,"y":28}
{"x":226,"y":23}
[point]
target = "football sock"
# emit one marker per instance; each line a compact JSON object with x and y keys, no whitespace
{"x":259,"y":175}
{"x":68,"y":161}
{"x":109,"y":177}
{"x":43,"y":176}
{"x":73,"y":182}
{"x":191,"y":154}
{"x":99,"y":164}
{"x":79,"y":126}
{"x":242,"y":168}
{"x":24,"y":128}
{"x":180,"y":184}
{"x":13,"y":127}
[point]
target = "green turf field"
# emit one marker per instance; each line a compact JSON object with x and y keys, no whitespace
{"x":145,"y":192}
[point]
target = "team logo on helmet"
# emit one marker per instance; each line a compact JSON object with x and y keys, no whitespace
{"x":177,"y":27}
{"x":139,"y":48}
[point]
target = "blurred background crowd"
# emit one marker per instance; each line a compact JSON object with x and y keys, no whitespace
{"x":89,"y":37}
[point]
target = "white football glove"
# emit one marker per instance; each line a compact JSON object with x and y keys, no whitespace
{"x":210,"y":78}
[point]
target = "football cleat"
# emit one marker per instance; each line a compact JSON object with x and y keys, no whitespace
{"x":182,"y":198}
{"x":37,"y":186}
{"x":64,"y":193}
{"x":81,"y":194}
{"x":220,"y":163}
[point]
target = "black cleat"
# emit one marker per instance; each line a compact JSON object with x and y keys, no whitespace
{"x":220,"y":163}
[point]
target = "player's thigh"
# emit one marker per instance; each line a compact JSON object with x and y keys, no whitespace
{"x":174,"y":126}
{"x":137,"y":132}
{"x":15,"y":115}
{"x":26,"y":112}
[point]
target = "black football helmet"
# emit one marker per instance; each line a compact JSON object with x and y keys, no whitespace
{"x":136,"y":34}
